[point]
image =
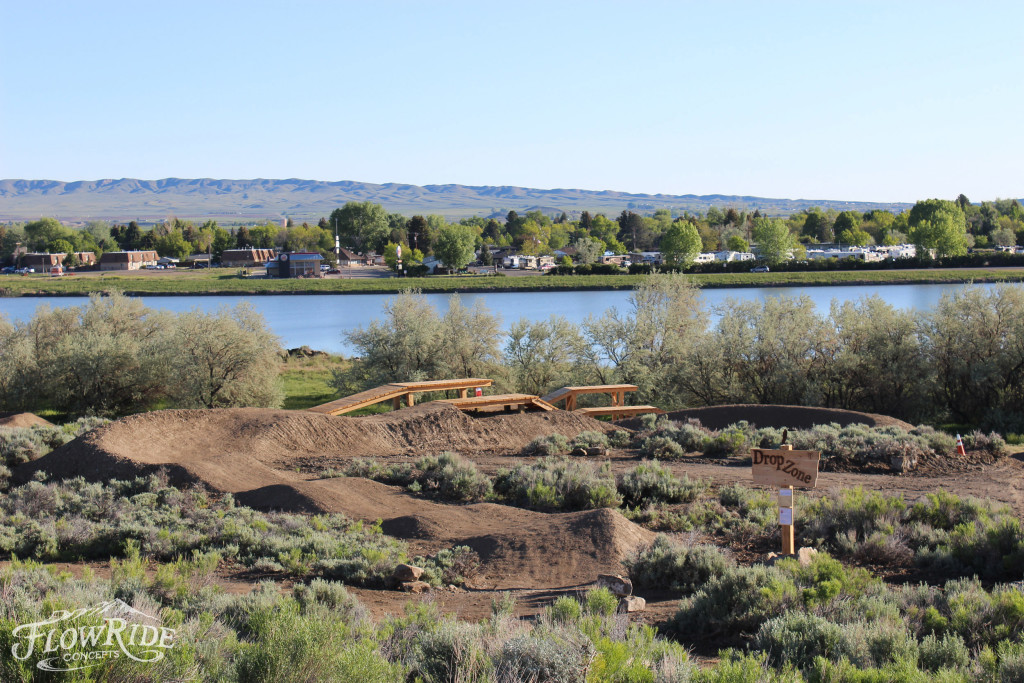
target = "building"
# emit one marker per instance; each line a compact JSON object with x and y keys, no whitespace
{"x":85,"y":258}
{"x":348,"y":258}
{"x":127,"y":260}
{"x":199,"y":260}
{"x":42,"y":263}
{"x":299,"y":264}
{"x":246,"y":258}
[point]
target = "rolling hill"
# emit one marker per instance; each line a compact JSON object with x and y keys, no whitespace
{"x":246,"y":200}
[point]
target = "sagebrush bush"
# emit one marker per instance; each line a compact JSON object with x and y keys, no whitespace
{"x":661,"y":447}
{"x":651,"y":482}
{"x":590,"y":439}
{"x":453,"y":477}
{"x":553,"y":444}
{"x":666,"y":564}
{"x":79,"y":520}
{"x":553,"y":483}
{"x":620,"y":439}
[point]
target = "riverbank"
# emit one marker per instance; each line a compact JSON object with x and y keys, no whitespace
{"x":216,"y":282}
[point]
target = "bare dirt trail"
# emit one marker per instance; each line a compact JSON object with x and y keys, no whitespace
{"x":274,"y":459}
{"x":257,"y":455}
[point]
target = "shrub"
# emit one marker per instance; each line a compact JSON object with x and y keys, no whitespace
{"x":565,"y":611}
{"x":733,"y":440}
{"x":990,"y":443}
{"x":590,"y":439}
{"x":652,"y":482}
{"x":452,"y":566}
{"x":947,"y":652}
{"x":558,"y":483}
{"x":797,"y":638}
{"x":662,"y":447}
{"x":600,"y":602}
{"x":453,"y":478}
{"x":452,"y":651}
{"x":548,"y":655}
{"x":553,"y":444}
{"x":667,"y":564}
{"x":735,"y":603}
{"x":620,"y":439}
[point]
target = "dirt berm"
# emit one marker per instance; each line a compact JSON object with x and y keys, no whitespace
{"x":253,"y":453}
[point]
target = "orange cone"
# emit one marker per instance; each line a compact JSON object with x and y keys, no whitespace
{"x":960,"y":446}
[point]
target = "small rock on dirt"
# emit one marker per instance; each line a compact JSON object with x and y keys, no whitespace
{"x":407,"y":572}
{"x":618,"y":585}
{"x":903,"y":463}
{"x":632,"y":603}
{"x":803,"y":556}
{"x":415,"y":586}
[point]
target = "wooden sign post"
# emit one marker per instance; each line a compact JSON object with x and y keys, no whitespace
{"x":784,"y":469}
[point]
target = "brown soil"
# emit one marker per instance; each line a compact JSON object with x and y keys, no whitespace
{"x":794,"y":417}
{"x":272,"y":459}
{"x":258,"y":456}
{"x":16,"y":420}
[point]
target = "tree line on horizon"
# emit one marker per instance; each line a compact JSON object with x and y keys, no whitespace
{"x":949,"y":227}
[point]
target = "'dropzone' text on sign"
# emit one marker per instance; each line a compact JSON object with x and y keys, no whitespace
{"x":785,"y":468}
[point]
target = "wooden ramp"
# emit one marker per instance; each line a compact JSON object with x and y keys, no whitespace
{"x":619,"y":412}
{"x":500,"y":401}
{"x":398,"y":392}
{"x":617,"y":392}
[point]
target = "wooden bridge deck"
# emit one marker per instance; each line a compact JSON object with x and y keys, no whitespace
{"x":617,"y":392}
{"x":506,"y":401}
{"x":619,"y":412}
{"x":398,"y":392}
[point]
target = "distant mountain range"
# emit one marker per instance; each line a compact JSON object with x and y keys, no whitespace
{"x":231,"y":201}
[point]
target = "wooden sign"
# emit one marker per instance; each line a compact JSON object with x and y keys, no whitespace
{"x":785,"y":468}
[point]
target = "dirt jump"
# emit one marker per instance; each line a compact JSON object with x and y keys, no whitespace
{"x":16,"y":420}
{"x":253,"y":454}
{"x":276,"y":460}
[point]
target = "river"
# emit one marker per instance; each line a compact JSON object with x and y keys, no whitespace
{"x":320,"y":321}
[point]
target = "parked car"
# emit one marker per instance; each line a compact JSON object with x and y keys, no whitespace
{"x":759,"y":269}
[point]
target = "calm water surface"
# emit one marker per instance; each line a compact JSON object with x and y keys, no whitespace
{"x":320,"y":321}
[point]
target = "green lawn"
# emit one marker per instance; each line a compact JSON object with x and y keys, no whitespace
{"x":227,"y":282}
{"x":307,"y":381}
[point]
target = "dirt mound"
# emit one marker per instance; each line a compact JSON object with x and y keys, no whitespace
{"x":252,"y":454}
{"x":16,"y":420}
{"x":794,"y":417}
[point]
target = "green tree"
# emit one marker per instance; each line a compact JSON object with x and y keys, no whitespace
{"x":1004,"y":236}
{"x":362,"y":226}
{"x":737,"y":243}
{"x":589,"y":249}
{"x":940,"y":225}
{"x":855,"y":237}
{"x":60,"y":246}
{"x":43,"y":231}
{"x":681,"y":244}
{"x":410,"y":256}
{"x":224,"y":359}
{"x":774,"y":241}
{"x":454,"y":246}
{"x":173,"y":244}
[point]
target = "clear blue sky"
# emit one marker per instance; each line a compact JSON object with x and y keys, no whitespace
{"x":873,"y":101}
